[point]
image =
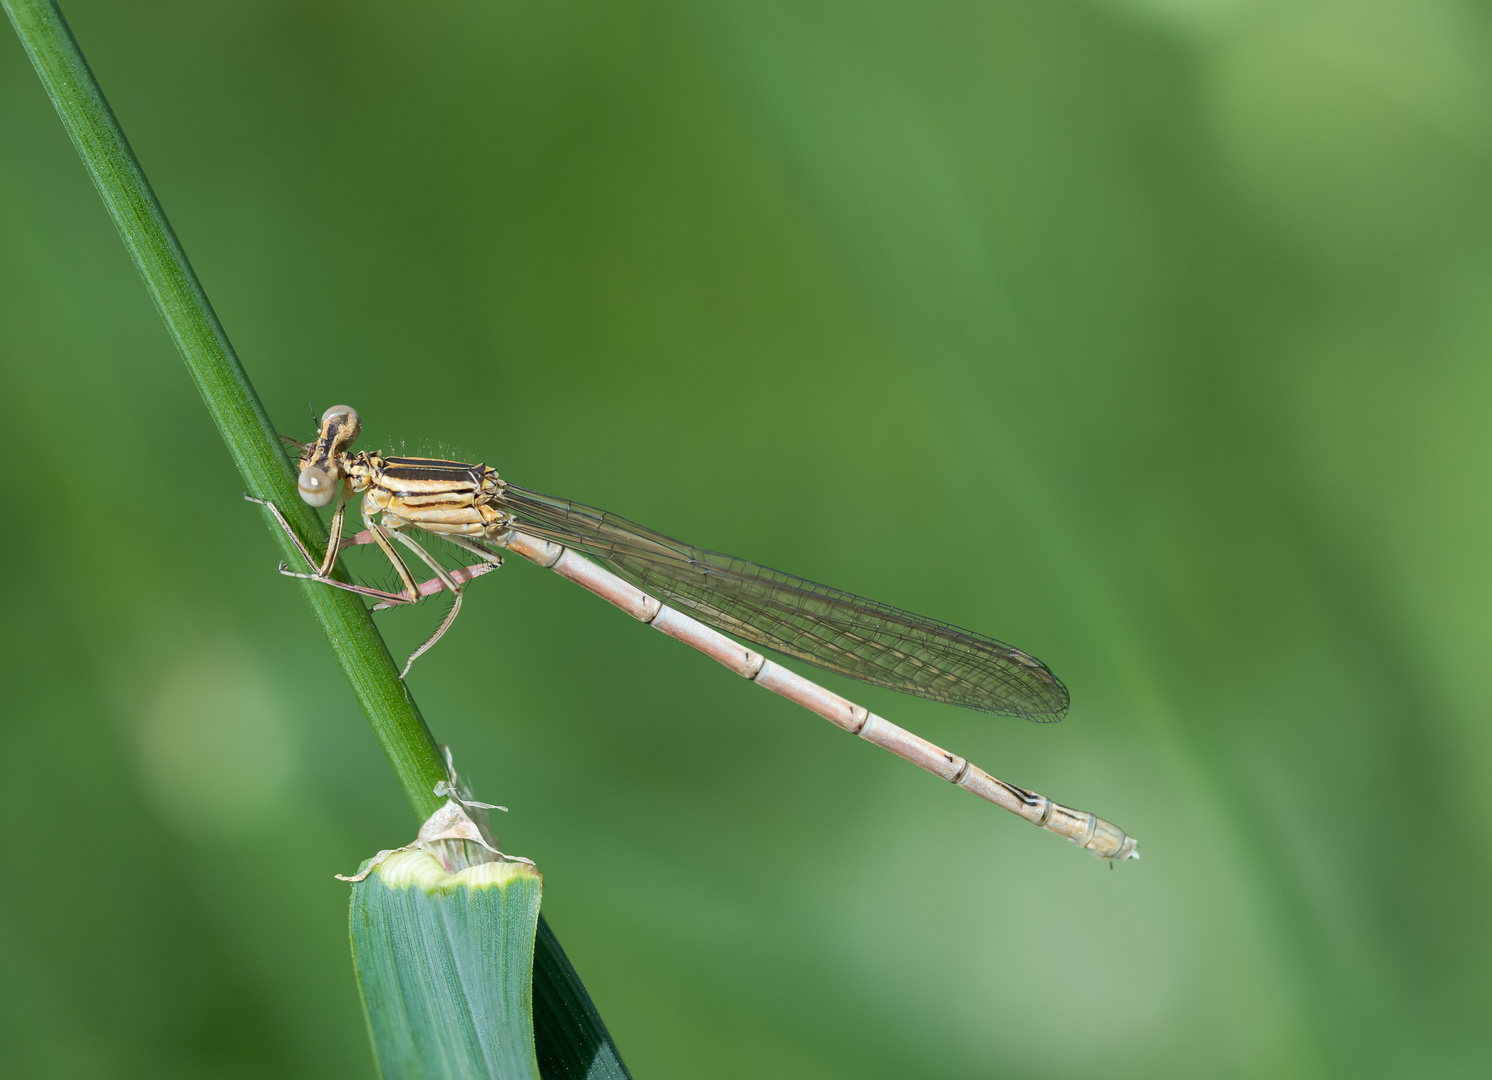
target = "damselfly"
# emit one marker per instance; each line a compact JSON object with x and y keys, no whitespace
{"x":473,"y":508}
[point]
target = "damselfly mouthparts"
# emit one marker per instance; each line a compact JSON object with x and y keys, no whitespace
{"x":470,"y":506}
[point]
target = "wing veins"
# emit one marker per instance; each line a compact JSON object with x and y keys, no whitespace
{"x":854,"y":636}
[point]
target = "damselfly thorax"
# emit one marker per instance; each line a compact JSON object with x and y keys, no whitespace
{"x":448,"y":498}
{"x":691,"y":594}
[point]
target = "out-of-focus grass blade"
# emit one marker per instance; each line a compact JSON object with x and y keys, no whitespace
{"x":444,"y":964}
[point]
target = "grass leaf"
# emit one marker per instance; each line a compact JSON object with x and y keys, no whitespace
{"x":444,"y":965}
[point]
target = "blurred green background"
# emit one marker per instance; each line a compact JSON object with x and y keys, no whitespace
{"x":1150,"y":335}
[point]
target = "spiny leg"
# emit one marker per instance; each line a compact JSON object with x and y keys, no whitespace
{"x":461,"y":575}
{"x":477,"y":549}
{"x":321,"y":571}
{"x":413,"y":592}
{"x":294,"y":539}
{"x":446,"y":578}
{"x":444,"y":626}
{"x":334,"y":540}
{"x":381,"y":538}
{"x":424,"y":556}
{"x":391,"y":599}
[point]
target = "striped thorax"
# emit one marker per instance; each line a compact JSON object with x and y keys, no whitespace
{"x":448,"y":498}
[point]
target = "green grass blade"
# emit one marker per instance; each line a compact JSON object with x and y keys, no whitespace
{"x":224,"y":385}
{"x":251,"y":440}
{"x":444,"y":966}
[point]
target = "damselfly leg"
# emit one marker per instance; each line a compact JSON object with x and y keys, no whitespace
{"x":379,"y":535}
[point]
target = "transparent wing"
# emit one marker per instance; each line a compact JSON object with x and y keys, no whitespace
{"x":873,"y":642}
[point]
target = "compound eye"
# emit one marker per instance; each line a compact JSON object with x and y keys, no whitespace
{"x":317,"y":487}
{"x":342,"y":410}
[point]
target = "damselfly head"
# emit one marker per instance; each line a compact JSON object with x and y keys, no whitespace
{"x":321,"y":472}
